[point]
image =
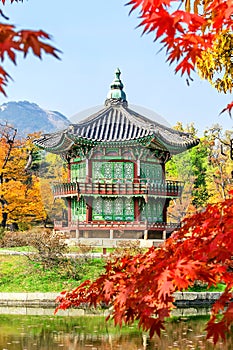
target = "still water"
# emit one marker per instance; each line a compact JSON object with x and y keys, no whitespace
{"x":26,"y":332}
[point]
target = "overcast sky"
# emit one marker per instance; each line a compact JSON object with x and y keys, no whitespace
{"x":95,"y":38}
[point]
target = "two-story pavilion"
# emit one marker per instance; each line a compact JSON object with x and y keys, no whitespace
{"x":116,"y":172}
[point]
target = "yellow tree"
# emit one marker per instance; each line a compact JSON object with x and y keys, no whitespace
{"x":20,"y":196}
{"x":219,"y":170}
{"x":216,"y":64}
{"x":52,"y":171}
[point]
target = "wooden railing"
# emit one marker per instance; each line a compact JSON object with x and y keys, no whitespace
{"x":106,"y":225}
{"x":135,"y":187}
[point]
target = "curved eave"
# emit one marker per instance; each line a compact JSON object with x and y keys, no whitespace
{"x":55,"y":143}
{"x":159,"y":142}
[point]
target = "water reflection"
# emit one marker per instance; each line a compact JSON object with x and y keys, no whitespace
{"x":92,"y":332}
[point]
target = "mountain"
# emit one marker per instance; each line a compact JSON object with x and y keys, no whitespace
{"x":28,"y":118}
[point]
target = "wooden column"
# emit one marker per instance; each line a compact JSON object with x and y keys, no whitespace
{"x":137,"y":170}
{"x":166,"y":204}
{"x":69,"y":211}
{"x":69,"y":171}
{"x":163,"y":172}
{"x":136,"y":209}
{"x":89,"y":210}
{"x":137,"y":180}
{"x":88,"y":170}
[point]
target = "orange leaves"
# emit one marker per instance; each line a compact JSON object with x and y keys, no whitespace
{"x":20,"y":195}
{"x":13,"y":42}
{"x":4,"y":1}
{"x":228,"y":108}
{"x":191,"y":32}
{"x":216,"y":330}
{"x":165,"y":285}
{"x":4,"y":76}
{"x":8,"y":44}
{"x":34,"y":40}
{"x":141,"y":287}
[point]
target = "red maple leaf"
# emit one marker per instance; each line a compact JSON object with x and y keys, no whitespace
{"x":228,"y":108}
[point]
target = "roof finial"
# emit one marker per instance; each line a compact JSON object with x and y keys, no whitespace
{"x":116,"y":94}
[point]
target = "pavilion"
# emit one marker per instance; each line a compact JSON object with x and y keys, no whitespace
{"x":116,"y":186}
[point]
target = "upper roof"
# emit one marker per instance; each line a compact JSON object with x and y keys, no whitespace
{"x":117,"y":123}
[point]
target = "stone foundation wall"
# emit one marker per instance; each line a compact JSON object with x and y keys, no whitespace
{"x":187,"y":299}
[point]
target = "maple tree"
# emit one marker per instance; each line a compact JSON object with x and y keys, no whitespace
{"x":13,"y":42}
{"x":141,"y":287}
{"x":196,"y":34}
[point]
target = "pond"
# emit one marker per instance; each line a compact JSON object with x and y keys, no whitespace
{"x":26,"y":332}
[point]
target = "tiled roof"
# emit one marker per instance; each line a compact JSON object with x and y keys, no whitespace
{"x":117,"y":123}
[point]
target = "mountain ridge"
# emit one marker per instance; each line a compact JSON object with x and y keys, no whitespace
{"x":28,"y":117}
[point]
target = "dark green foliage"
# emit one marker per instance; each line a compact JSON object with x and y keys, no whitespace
{"x":198,"y":158}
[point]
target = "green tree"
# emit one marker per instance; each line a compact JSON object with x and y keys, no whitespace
{"x":191,"y":167}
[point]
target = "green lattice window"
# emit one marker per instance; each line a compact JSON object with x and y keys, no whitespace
{"x":113,"y":209}
{"x":151,"y":171}
{"x":97,"y":171}
{"x":78,"y":209}
{"x":152,"y":211}
{"x":129,"y":209}
{"x":118,"y":170}
{"x":108,"y":170}
{"x":97,"y":209}
{"x":113,"y":171}
{"x":128,"y":171}
{"x":78,"y":171}
{"x":119,"y":208}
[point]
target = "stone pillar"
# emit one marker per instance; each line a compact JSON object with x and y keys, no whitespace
{"x":111,"y":234}
{"x":164,"y":234}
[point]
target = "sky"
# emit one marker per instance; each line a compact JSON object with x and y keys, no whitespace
{"x":95,"y":38}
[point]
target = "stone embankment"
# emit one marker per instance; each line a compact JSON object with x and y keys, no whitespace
{"x":186,"y":299}
{"x":44,"y":304}
{"x":198,"y":299}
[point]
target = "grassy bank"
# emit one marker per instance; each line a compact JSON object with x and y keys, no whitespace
{"x":19,"y":274}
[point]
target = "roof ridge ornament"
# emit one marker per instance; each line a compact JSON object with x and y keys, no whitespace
{"x":116,"y":95}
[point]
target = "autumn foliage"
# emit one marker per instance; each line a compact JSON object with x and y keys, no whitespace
{"x":141,"y":287}
{"x":20,"y":193}
{"x":185,"y":33}
{"x":13,"y":41}
{"x":197,"y":35}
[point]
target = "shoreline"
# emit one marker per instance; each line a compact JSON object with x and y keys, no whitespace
{"x":182,"y":299}
{"x":43,"y":304}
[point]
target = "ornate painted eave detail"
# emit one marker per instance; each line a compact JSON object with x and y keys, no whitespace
{"x":117,"y":125}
